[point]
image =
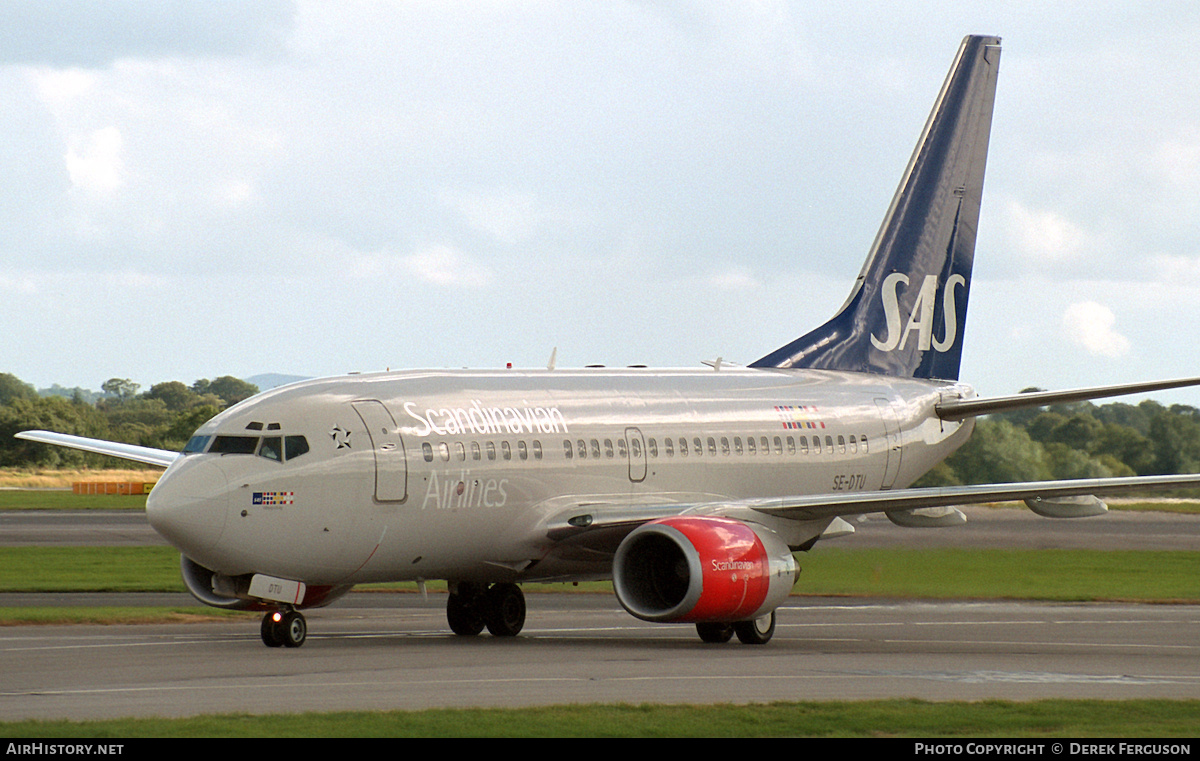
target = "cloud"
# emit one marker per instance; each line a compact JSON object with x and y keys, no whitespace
{"x":65,"y":33}
{"x":733,"y":279}
{"x":1044,"y":236}
{"x":508,"y":217}
{"x":1090,"y":325}
{"x":94,"y":161}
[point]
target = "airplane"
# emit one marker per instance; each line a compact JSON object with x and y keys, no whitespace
{"x":691,"y":489}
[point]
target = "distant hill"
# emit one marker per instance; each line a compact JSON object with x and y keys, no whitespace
{"x":268,"y":381}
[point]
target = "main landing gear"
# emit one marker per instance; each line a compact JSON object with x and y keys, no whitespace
{"x":499,"y":607}
{"x":284,"y":628}
{"x":756,"y":632}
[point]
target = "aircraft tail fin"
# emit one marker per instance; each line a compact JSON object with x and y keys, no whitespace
{"x":906,"y":312}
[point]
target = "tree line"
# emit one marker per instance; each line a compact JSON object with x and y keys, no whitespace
{"x":163,"y":417}
{"x":1080,"y":440}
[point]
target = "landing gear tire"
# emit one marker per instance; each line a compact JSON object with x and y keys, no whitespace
{"x":284,"y":629}
{"x":504,"y":610}
{"x":462,"y":612}
{"x":271,"y":636}
{"x":756,"y":632}
{"x":294,"y":629}
{"x":717,"y":634}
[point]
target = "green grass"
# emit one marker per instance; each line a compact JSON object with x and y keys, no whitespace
{"x":874,"y":719}
{"x":1063,"y":575}
{"x":57,"y":499}
{"x":90,"y":569}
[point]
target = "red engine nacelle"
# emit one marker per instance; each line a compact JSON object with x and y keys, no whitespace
{"x":702,"y":569}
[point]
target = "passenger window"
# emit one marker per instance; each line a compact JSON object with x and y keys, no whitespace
{"x":460,"y":451}
{"x":475,"y":453}
{"x":697,"y":447}
{"x":816,"y":445}
{"x":582,"y":449}
{"x":750,"y":450}
{"x":622,"y":450}
{"x":853,"y":445}
{"x":445,"y":451}
{"x":652,"y":447}
{"x":271,"y":448}
{"x":829,"y":444}
{"x":427,"y":451}
{"x":791,"y":442}
{"x":764,"y":446}
{"x":737,"y":445}
{"x":491,"y":451}
{"x":505,"y":450}
{"x":864,"y":444}
{"x":537,"y":450}
{"x":669,"y":447}
{"x":725,"y":445}
{"x":636,"y":447}
{"x":568,"y":450}
{"x":596,"y":449}
{"x":803,"y":445}
{"x":778,"y":445}
{"x":609,"y":452}
{"x":682,"y":447}
{"x":522,"y":450}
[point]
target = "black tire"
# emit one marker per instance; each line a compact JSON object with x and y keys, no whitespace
{"x":756,"y":632}
{"x":504,"y":611}
{"x":271,"y":635}
{"x":463,"y":615}
{"x":717,"y":634}
{"x":293,"y":629}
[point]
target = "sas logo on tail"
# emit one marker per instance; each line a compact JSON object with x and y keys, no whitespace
{"x":920,"y":318}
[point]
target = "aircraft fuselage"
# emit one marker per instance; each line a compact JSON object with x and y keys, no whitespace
{"x":460,"y":474}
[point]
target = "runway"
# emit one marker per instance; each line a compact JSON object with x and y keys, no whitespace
{"x":397,"y":654}
{"x":374,"y":651}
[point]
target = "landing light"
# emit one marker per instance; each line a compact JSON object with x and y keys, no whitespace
{"x":581,"y":521}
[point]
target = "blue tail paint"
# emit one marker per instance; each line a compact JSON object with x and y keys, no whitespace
{"x":906,"y":314}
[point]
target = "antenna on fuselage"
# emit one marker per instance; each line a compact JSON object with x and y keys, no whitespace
{"x":553,"y":359}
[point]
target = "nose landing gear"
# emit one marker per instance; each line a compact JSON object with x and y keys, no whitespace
{"x":284,"y":628}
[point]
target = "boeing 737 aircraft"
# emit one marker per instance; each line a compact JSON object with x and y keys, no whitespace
{"x":690,"y":489}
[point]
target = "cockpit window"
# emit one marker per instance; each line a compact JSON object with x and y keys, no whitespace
{"x":196,"y":444}
{"x":295,"y":446}
{"x":272,"y":448}
{"x":234,"y":445}
{"x":277,"y":448}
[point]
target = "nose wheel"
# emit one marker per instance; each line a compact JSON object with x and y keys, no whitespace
{"x":284,"y":628}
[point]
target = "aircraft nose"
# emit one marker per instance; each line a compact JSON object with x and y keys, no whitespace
{"x":189,"y":505}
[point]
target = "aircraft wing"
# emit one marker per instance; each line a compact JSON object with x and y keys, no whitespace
{"x":965,"y":408}
{"x":1047,"y":498}
{"x":854,"y":503}
{"x":148,"y":455}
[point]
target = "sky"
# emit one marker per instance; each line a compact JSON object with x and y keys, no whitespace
{"x":216,"y":187}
